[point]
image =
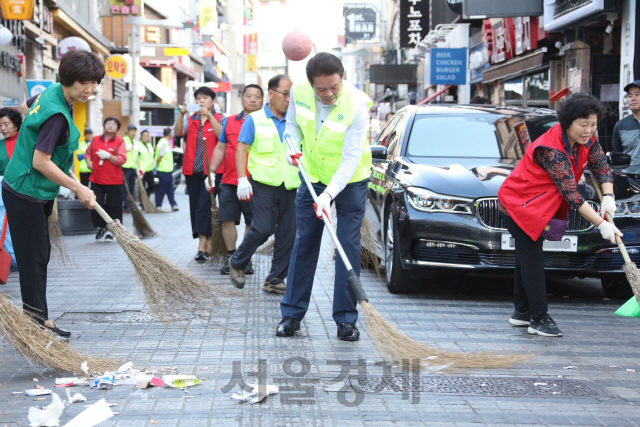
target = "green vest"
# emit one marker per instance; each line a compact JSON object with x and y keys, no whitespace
{"x":82,"y":149}
{"x":20,"y":174}
{"x":4,"y":157}
{"x":133,"y":149}
{"x":267,"y":163}
{"x":146,"y":157}
{"x":166,"y":163}
{"x":323,"y":154}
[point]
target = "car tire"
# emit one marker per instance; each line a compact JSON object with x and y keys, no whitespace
{"x":398,"y":280}
{"x":616,"y":288}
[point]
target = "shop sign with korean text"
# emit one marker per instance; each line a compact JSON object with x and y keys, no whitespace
{"x":125,"y":7}
{"x":360,"y":23}
{"x":448,"y":66}
{"x":16,"y":9}
{"x":116,"y":67}
{"x":506,"y":38}
{"x":414,"y":22}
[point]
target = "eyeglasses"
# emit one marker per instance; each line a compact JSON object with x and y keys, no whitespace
{"x":285,"y":95}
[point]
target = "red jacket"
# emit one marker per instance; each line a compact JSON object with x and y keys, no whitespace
{"x":231,"y":133}
{"x":107,"y":173}
{"x":529,"y":194}
{"x":192,"y":140}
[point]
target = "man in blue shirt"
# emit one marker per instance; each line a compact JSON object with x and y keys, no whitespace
{"x":272,"y":204}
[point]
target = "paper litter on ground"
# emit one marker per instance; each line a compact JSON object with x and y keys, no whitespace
{"x":178,"y":381}
{"x":256,"y":393}
{"x":37,"y":392}
{"x":75,"y":398}
{"x":49,"y":416}
{"x":92,"y":416}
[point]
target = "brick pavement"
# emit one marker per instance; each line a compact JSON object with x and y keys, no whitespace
{"x":463,"y":314}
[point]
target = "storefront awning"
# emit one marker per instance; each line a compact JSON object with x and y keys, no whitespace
{"x":155,"y":63}
{"x":433,"y":95}
{"x":514,"y":66}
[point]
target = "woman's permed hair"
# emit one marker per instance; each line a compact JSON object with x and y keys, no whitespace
{"x":13,"y":115}
{"x":579,"y":106}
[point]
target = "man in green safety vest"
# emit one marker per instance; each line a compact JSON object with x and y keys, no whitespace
{"x":85,"y":172}
{"x":271,"y":188}
{"x":131,"y":167}
{"x":328,"y":117}
{"x":164,"y":169}
{"x":146,"y":161}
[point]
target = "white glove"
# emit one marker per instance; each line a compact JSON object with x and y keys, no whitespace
{"x":244,"y":189}
{"x":323,"y":205}
{"x":211,"y":187}
{"x":103,"y":154}
{"x":293,"y":158}
{"x":609,"y":231}
{"x":608,"y":205}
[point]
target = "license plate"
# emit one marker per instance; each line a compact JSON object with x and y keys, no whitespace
{"x":567,"y":244}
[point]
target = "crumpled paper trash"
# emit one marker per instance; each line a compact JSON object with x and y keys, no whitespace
{"x":75,"y":398}
{"x":92,"y":416}
{"x":106,"y":382}
{"x":124,"y":368}
{"x":179,"y":381}
{"x":256,"y":394}
{"x":84,"y":368}
{"x":49,"y":416}
{"x":37,"y":392}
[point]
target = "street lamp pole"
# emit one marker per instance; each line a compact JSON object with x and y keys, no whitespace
{"x":134,"y":42}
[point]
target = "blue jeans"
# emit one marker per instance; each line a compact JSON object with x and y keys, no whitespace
{"x":350,"y":207}
{"x":165,"y":186}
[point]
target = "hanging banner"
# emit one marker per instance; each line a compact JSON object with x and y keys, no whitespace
{"x":414,"y":22}
{"x":448,"y":66}
{"x":16,"y":9}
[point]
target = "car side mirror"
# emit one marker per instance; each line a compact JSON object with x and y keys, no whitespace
{"x":618,"y":160}
{"x":378,"y":153}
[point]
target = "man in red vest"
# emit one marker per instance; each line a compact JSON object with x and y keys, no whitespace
{"x":205,"y":123}
{"x":225,"y":154}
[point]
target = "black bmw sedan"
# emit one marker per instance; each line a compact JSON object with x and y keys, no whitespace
{"x":433,"y":201}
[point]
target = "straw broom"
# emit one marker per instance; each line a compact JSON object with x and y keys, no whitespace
{"x":392,"y":344}
{"x":58,"y":245}
{"x":368,"y":259}
{"x":140,"y":224}
{"x":39,"y":345}
{"x":632,"y":307}
{"x":144,"y":198}
{"x":172,"y":294}
{"x":218,"y":247}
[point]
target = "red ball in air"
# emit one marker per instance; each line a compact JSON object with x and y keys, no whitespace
{"x":296,"y":45}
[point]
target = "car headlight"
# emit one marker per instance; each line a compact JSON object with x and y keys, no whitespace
{"x":428,"y":201}
{"x":628,"y":209}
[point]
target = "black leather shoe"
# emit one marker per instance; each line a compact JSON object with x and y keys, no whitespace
{"x":200,"y":257}
{"x":287,"y":327}
{"x":100,"y":233}
{"x":59,"y":332}
{"x":348,"y":332}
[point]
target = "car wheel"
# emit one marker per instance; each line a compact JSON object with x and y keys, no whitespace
{"x":616,"y":288}
{"x":398,"y":280}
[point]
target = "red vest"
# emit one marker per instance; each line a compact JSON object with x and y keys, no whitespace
{"x":108,"y":173}
{"x":192,"y":140}
{"x":529,"y":194}
{"x":231,"y":133}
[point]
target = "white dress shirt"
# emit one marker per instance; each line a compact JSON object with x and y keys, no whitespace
{"x":351,"y":147}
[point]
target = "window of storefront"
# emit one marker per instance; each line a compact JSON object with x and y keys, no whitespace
{"x":513,"y":90}
{"x":538,"y":89}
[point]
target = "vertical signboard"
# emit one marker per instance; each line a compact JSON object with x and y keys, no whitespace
{"x":414,"y":22}
{"x":627,"y":52}
{"x":208,"y":12}
{"x":448,"y":66}
{"x":16,"y":9}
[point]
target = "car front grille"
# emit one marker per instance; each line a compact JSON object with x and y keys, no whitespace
{"x":489,"y":216}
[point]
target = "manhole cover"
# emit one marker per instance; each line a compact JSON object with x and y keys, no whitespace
{"x":130,"y":316}
{"x":483,"y":386}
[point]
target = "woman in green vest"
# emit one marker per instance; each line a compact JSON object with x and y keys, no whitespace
{"x":41,"y":160}
{"x":10,"y":122}
{"x":147,"y":162}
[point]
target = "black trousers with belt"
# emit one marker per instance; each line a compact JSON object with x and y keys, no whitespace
{"x":529,"y":287}
{"x":200,"y":203}
{"x":110,"y":198}
{"x":30,"y":233}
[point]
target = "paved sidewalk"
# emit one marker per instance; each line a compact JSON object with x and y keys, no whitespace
{"x":99,"y":300}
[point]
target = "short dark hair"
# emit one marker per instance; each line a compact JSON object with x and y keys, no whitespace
{"x":166,"y":131}
{"x":115,"y":119}
{"x":274,"y":81}
{"x":80,"y":66}
{"x":204,"y":90}
{"x":324,"y":64}
{"x":13,"y":115}
{"x":144,"y":131}
{"x":252,"y":86}
{"x":479,"y":100}
{"x":579,"y":106}
{"x":87,"y":131}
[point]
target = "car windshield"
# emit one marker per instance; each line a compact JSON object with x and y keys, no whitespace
{"x":468,"y":135}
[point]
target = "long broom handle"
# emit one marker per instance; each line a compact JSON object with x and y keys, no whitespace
{"x":96,"y":206}
{"x":623,"y":249}
{"x":206,"y":160}
{"x":353,"y":280}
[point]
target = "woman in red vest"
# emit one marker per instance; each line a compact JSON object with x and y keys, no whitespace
{"x":105,"y":155}
{"x":205,"y":123}
{"x":543,"y":186}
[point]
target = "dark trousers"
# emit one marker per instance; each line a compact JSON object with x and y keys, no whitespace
{"x":149,"y":182}
{"x":30,"y":232}
{"x":273,"y":212}
{"x":110,"y":198}
{"x":199,"y":205}
{"x":350,"y":206}
{"x":165,"y":186}
{"x":84,"y":178}
{"x":529,"y":287}
{"x":130,"y":178}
